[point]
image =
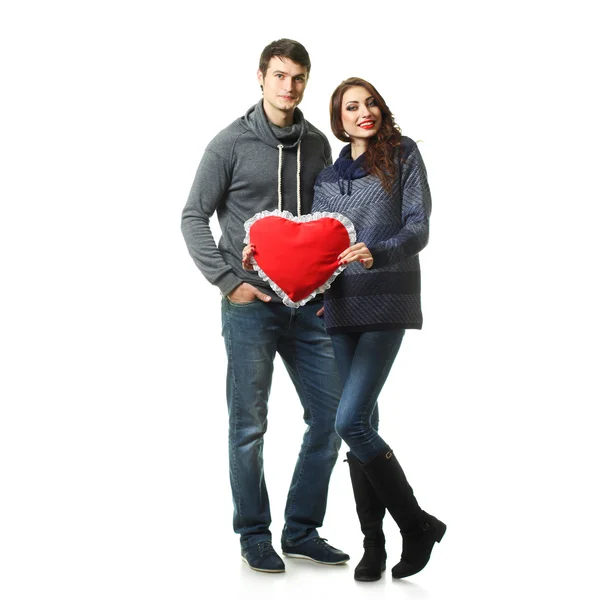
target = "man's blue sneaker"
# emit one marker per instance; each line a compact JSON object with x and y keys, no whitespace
{"x":262,"y":557}
{"x":318,"y":550}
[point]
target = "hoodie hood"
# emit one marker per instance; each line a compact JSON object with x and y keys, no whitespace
{"x":282,"y":138}
{"x":256,"y":120}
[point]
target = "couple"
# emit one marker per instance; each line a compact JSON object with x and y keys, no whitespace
{"x":338,"y":364}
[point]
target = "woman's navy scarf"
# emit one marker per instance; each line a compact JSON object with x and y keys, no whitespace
{"x":348,"y":169}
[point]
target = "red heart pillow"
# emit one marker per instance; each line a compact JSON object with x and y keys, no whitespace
{"x":297,"y":256}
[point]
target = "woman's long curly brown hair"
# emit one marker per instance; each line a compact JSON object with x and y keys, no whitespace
{"x":379,"y":156}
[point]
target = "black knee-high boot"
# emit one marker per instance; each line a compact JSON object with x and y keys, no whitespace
{"x":370,"y":510}
{"x":419,"y":530}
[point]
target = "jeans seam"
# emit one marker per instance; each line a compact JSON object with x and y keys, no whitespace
{"x":384,"y":376}
{"x":364,"y":430}
{"x":233,"y":435}
{"x":292,"y":503}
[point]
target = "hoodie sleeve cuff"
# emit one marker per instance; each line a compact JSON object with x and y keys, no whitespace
{"x":228,"y":283}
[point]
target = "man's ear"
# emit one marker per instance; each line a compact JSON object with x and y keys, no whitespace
{"x":259,"y":76}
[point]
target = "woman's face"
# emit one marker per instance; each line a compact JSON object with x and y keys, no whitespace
{"x":361,"y":117}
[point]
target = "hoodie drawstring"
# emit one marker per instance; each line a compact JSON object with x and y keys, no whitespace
{"x":279,"y":170}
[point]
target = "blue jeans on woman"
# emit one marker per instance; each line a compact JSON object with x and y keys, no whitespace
{"x":254,"y":332}
{"x":364,"y":362}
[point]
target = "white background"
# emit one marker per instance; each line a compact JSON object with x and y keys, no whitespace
{"x":113,"y":427}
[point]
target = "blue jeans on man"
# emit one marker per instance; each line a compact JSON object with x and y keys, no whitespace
{"x":253,"y":333}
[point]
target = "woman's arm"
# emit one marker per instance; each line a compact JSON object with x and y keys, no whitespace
{"x":416,"y":210}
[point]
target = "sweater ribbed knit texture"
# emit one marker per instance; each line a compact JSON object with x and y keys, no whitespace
{"x":395,"y":228}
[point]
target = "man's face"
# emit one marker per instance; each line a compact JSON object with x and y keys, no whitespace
{"x":283,"y":84}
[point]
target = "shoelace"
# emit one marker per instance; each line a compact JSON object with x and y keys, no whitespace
{"x":266,"y":549}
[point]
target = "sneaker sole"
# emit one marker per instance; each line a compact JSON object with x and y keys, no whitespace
{"x":263,"y":570}
{"x":333,"y":564}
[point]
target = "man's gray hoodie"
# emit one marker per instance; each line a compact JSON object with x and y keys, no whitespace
{"x":238,"y":177}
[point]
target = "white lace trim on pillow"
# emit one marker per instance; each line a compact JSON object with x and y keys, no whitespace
{"x":286,"y":214}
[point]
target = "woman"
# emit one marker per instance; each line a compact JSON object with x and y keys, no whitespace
{"x":379,"y":182}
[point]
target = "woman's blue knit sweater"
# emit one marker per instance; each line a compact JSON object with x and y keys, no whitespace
{"x":395,"y":228}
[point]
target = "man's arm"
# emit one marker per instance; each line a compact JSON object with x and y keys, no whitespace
{"x":328,"y":157}
{"x":208,"y":191}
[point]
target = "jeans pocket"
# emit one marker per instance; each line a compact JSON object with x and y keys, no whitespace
{"x":231,"y":303}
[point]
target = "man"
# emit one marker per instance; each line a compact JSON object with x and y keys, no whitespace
{"x":268,"y":158}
